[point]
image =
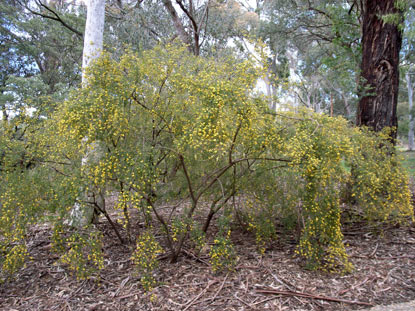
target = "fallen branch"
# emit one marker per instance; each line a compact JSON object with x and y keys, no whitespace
{"x":220,"y":288}
{"x":245,"y":303}
{"x":354,"y":286}
{"x":190,"y":254}
{"x":192,"y":301}
{"x":283,"y":282}
{"x":384,"y":258}
{"x":310,"y":296}
{"x":130,"y":295}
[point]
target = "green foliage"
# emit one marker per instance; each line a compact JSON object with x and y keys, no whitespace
{"x":25,"y":194}
{"x":380,"y":184}
{"x":325,"y":37}
{"x":222,"y":253}
{"x":145,"y":258}
{"x":12,"y":258}
{"x":175,"y":137}
{"x":326,"y":143}
{"x":82,"y":253}
{"x":178,"y":229}
{"x":259,"y":220}
{"x":197,"y":237}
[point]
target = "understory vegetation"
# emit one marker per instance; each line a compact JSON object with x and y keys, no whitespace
{"x":188,"y":145}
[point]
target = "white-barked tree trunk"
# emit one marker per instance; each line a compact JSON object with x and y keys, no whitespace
{"x":411,"y":119}
{"x":94,"y":33}
{"x":82,"y":215}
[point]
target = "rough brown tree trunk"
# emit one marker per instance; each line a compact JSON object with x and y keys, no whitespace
{"x":381,"y":43}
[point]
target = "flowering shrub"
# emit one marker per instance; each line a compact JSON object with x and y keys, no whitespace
{"x":380,"y":185}
{"x":321,"y":242}
{"x":145,"y":258}
{"x":222,"y":253}
{"x":14,"y":258}
{"x":83,"y":253}
{"x":180,"y":139}
{"x":259,"y":220}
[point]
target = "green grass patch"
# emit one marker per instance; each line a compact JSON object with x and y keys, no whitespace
{"x":408,"y":161}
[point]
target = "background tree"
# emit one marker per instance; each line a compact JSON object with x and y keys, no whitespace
{"x":209,"y":25}
{"x":94,"y":33}
{"x":410,"y":87}
{"x":407,"y":65}
{"x":41,"y":57}
{"x":381,"y":44}
{"x":321,"y":40}
{"x":137,"y":25}
{"x":195,"y":19}
{"x":93,"y":45}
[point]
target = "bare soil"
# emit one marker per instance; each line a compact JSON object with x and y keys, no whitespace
{"x":384,"y":274}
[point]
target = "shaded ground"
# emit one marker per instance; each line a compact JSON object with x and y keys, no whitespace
{"x":384,"y":273}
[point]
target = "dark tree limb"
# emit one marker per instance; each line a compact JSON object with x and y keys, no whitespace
{"x":311,"y":296}
{"x":55,"y":16}
{"x":181,"y":31}
{"x":108,"y":217}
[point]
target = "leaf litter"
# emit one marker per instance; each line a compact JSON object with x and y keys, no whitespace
{"x":384,"y":273}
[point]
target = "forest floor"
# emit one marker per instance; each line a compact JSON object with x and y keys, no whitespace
{"x":384,"y":273}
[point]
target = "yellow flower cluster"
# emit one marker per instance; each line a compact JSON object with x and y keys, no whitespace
{"x":145,"y":258}
{"x":14,"y":259}
{"x":222,"y":254}
{"x":259,"y":220}
{"x":83,"y":254}
{"x":380,"y":184}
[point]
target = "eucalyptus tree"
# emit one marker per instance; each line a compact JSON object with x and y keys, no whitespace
{"x":40,"y":56}
{"x":94,"y":33}
{"x":324,"y":36}
{"x":381,"y":45}
{"x":410,"y":86}
{"x":93,"y":44}
{"x":408,"y":68}
{"x":369,"y":35}
{"x":207,"y":25}
{"x":137,"y":25}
